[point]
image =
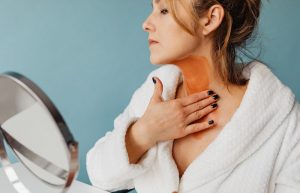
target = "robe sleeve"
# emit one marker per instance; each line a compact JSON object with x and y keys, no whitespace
{"x":107,"y":162}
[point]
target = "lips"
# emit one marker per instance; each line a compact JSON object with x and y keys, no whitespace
{"x":152,"y":41}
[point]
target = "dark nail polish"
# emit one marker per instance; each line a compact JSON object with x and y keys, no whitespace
{"x":210,"y":92}
{"x":215,"y":96}
{"x":211,"y":122}
{"x":214,"y":105}
{"x":154,"y":81}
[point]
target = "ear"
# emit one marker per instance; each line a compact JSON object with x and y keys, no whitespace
{"x":212,"y":19}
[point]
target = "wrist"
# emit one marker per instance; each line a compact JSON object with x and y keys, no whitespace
{"x":141,"y":132}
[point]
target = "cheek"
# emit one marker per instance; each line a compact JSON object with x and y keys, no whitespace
{"x":175,"y":44}
{"x":186,"y":43}
{"x":182,"y":45}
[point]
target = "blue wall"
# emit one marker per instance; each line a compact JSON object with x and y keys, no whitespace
{"x":90,"y":55}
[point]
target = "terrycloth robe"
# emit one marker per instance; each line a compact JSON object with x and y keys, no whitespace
{"x":257,"y":151}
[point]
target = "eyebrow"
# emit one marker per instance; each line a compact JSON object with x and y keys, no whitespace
{"x":155,"y":1}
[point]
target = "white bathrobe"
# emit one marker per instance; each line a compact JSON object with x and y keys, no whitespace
{"x":257,"y":151}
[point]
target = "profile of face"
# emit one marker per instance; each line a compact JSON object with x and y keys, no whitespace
{"x":173,"y":41}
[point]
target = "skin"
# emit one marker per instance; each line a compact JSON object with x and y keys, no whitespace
{"x":191,"y":68}
{"x":193,"y":55}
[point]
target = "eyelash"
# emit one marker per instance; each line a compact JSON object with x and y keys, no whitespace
{"x":161,"y":11}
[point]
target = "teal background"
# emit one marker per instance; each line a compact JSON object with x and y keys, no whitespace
{"x":89,"y":56}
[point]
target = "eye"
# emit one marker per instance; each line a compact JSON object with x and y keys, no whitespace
{"x":164,"y":11}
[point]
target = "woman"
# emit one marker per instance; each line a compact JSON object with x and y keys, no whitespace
{"x":207,"y":124}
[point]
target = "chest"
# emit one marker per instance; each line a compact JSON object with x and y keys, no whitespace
{"x":187,"y":148}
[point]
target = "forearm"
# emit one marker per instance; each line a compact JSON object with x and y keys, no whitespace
{"x":136,"y":143}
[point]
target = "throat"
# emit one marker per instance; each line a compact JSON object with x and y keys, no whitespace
{"x":197,"y":73}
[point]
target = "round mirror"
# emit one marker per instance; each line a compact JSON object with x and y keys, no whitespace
{"x":36,"y":132}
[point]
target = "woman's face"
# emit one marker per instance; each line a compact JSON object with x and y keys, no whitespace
{"x":173,"y":42}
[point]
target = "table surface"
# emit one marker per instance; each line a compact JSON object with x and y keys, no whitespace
{"x":35,"y":185}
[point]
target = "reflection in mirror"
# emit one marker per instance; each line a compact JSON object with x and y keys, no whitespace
{"x":36,"y":132}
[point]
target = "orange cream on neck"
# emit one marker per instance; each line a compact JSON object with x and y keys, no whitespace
{"x":197,"y":74}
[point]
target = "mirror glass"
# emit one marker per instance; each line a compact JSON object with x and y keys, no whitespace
{"x":36,"y":132}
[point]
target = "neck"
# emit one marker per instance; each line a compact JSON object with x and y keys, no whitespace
{"x":198,"y":74}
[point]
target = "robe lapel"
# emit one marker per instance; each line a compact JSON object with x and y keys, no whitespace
{"x":257,"y":117}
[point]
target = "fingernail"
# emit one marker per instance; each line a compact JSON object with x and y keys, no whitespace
{"x":154,"y":81}
{"x":211,"y":122}
{"x":215,"y":96}
{"x":210,"y":92}
{"x":214,"y":105}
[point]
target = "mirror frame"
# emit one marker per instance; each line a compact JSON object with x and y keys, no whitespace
{"x":45,"y":101}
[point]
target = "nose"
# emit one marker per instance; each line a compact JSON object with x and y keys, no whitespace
{"x":148,"y":25}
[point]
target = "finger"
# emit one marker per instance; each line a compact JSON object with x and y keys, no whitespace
{"x":194,"y":97}
{"x":196,"y":127}
{"x":200,"y":113}
{"x":158,"y":89}
{"x":199,"y":105}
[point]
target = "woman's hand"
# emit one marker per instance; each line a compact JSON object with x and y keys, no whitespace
{"x":166,"y":120}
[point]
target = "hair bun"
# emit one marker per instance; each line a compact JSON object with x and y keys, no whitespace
{"x":245,"y":15}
